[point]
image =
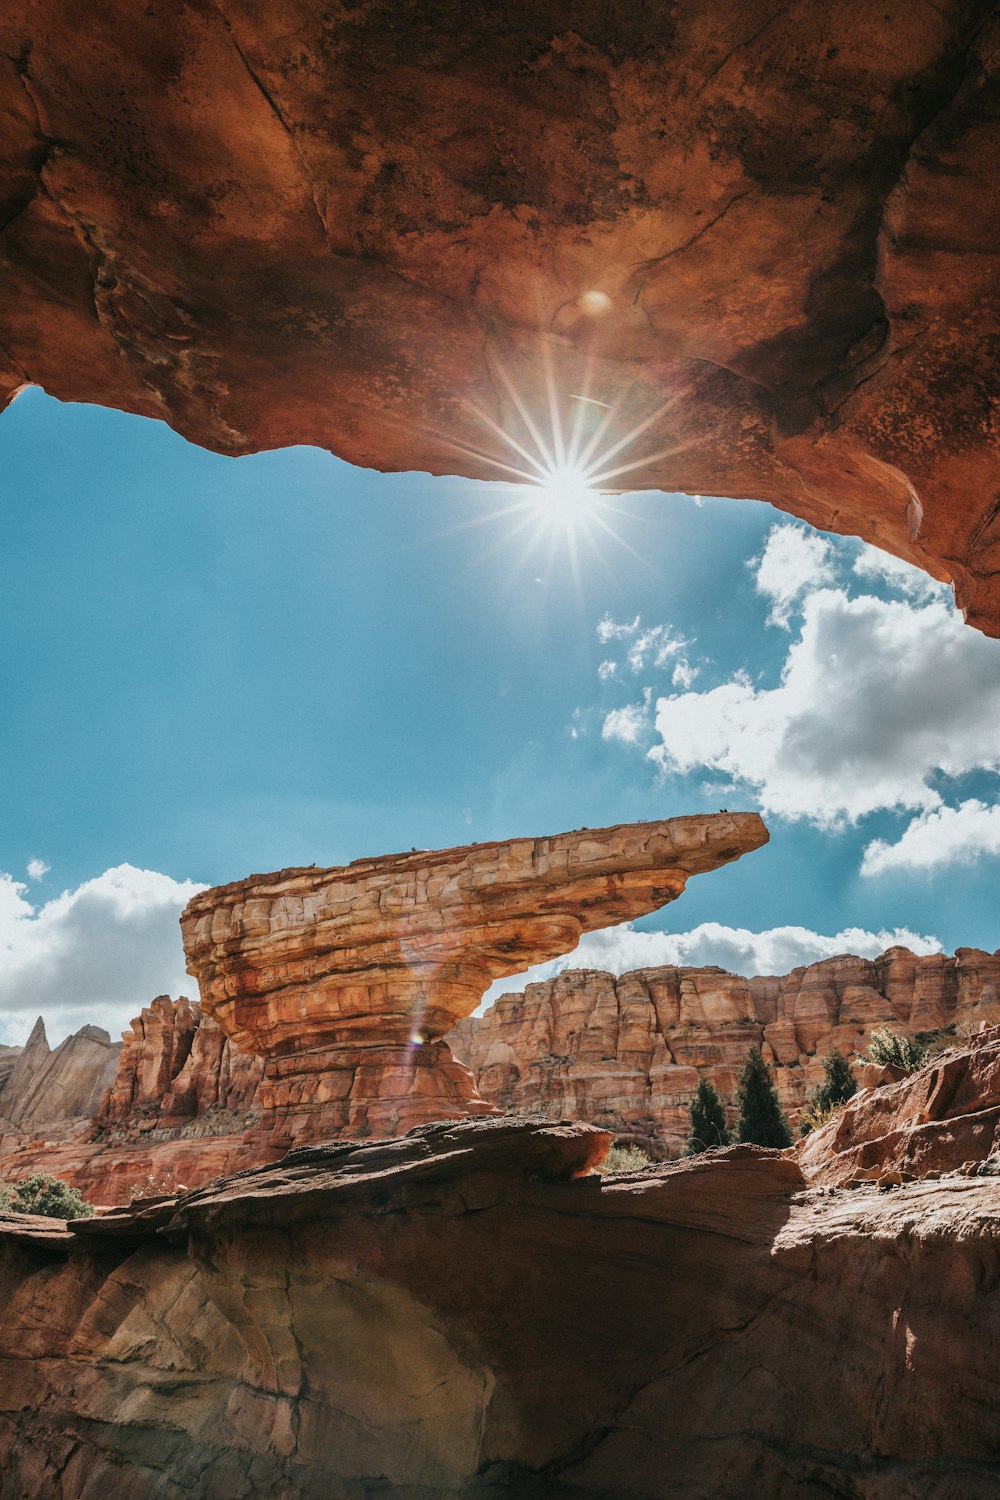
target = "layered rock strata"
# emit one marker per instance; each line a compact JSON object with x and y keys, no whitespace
{"x":460,"y":1314}
{"x":767,"y":238}
{"x":345,"y":980}
{"x":625,"y":1051}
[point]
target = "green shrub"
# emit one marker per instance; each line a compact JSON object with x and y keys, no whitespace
{"x":708,"y":1120}
{"x":837,"y":1087}
{"x":624,"y":1159}
{"x":760,"y":1121}
{"x":44,"y":1195}
{"x":887,"y":1049}
{"x":815,"y":1115}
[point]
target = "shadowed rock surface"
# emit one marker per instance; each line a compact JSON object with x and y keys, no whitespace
{"x":766,"y":237}
{"x":345,"y":980}
{"x":460,"y":1313}
{"x":625,"y":1051}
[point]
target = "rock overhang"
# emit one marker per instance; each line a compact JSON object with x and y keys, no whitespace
{"x":769,"y":236}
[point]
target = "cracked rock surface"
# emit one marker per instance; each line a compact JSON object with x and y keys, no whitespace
{"x":466,"y":1311}
{"x":766,"y":235}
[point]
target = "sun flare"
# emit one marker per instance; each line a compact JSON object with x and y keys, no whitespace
{"x":564,"y":497}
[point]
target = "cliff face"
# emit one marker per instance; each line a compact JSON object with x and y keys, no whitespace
{"x":58,"y":1087}
{"x":625,"y":1052}
{"x":768,"y":238}
{"x":346,"y":980}
{"x":461,"y":1314}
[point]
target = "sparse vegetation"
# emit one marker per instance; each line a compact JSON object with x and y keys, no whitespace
{"x":760,"y":1121}
{"x":837,"y":1087}
{"x":887,"y":1049}
{"x":49,"y":1196}
{"x":624,"y":1159}
{"x":708,"y":1120}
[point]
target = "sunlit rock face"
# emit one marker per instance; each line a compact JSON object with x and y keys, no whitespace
{"x":345,"y":980}
{"x":625,"y":1051}
{"x":767,"y":238}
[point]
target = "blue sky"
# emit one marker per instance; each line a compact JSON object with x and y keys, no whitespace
{"x":214,"y":666}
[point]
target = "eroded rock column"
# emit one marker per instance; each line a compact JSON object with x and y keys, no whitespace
{"x":346,"y":980}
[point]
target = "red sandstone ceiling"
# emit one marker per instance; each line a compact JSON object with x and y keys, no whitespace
{"x":767,"y":236}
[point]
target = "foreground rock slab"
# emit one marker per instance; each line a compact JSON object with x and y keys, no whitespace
{"x":345,"y":980}
{"x":765,"y":237}
{"x":461,"y":1313}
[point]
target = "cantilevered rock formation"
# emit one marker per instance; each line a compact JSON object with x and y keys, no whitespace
{"x":345,"y":980}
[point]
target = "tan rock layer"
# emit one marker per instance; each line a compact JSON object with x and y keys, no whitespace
{"x":625,"y":1051}
{"x":767,"y":237}
{"x":461,"y":1314}
{"x":345,"y":980}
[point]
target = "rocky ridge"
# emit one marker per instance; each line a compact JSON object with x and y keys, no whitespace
{"x":469,"y":1312}
{"x":766,"y":238}
{"x":624,"y":1052}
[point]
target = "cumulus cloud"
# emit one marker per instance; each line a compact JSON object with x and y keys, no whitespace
{"x":875,"y":566}
{"x":630,"y":724}
{"x":794,"y":563}
{"x":773,"y":951}
{"x":943,"y":836}
{"x":95,"y":954}
{"x":607,"y":669}
{"x":875,"y":699}
{"x":37,"y":868}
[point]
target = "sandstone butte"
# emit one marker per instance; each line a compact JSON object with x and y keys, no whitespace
{"x":346,"y":980}
{"x":766,"y":236}
{"x":469,"y":1311}
{"x":625,"y":1052}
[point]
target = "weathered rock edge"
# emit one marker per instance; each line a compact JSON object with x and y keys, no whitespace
{"x":457,"y":1313}
{"x":769,"y":235}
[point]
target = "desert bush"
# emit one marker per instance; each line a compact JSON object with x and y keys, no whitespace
{"x":49,"y":1196}
{"x":887,"y":1049}
{"x":815,"y":1115}
{"x":760,"y":1121}
{"x":624,"y":1159}
{"x":837,"y":1087}
{"x":708,"y":1120}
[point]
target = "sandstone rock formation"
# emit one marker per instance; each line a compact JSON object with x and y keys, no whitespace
{"x":56,"y":1087}
{"x":941,"y":1119}
{"x":459,"y":1314}
{"x":625,"y":1052}
{"x":767,"y":236}
{"x":175,"y":1107}
{"x":178,"y":1066}
{"x":345,"y":980}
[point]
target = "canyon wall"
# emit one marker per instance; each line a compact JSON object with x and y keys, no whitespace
{"x":624,"y":1052}
{"x":765,"y":238}
{"x":55,"y":1091}
{"x":462,"y":1314}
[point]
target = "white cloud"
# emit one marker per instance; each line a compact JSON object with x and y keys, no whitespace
{"x":875,"y":699}
{"x":654,"y":647}
{"x":629,"y":724}
{"x":794,"y":562}
{"x":615,"y":630}
{"x":95,"y":954}
{"x":607,"y":669}
{"x":943,"y":836}
{"x":774,"y":951}
{"x":37,"y":868}
{"x":875,"y":566}
{"x":684,"y":673}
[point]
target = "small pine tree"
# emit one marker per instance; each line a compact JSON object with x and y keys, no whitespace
{"x":708,"y":1120}
{"x":48,"y":1196}
{"x":839,"y":1084}
{"x":760,"y":1121}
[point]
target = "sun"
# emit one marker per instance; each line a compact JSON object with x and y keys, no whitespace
{"x":563,"y":498}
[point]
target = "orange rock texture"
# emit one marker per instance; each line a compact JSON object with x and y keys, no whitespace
{"x":461,"y":1314}
{"x":625,"y":1052}
{"x":345,"y":980}
{"x":944,"y":1118}
{"x":767,"y":237}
